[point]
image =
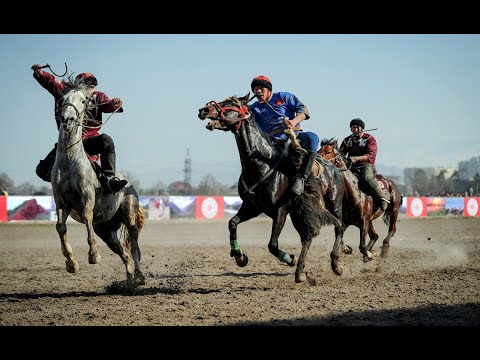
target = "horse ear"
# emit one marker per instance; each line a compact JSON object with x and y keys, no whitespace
{"x":245,"y":98}
{"x":335,"y":143}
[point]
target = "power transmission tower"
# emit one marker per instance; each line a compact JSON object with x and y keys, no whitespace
{"x":188,"y":170}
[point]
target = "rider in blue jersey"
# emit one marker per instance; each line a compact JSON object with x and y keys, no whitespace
{"x":274,"y":112}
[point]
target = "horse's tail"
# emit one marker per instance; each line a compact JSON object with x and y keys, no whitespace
{"x":140,"y":222}
{"x":140,"y":218}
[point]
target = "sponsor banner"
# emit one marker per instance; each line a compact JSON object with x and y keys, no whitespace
{"x":416,"y":207}
{"x":454,"y":206}
{"x":158,"y":208}
{"x":403,"y":205}
{"x":22,"y":208}
{"x":182,"y":207}
{"x":435,"y":206}
{"x":471,"y":206}
{"x":3,"y":209}
{"x":231,"y":204}
{"x":209,"y":207}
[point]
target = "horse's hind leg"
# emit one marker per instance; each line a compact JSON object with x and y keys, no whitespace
{"x":109,"y":235}
{"x":94,"y":256}
{"x":246,"y":212}
{"x":300,"y":275}
{"x":392,"y":228}
{"x":131,"y":242}
{"x":71,"y":262}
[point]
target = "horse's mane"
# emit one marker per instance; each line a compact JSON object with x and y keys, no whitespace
{"x":330,"y":142}
{"x":72,"y":83}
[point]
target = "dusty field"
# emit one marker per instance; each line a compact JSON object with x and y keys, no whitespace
{"x":432,"y":277}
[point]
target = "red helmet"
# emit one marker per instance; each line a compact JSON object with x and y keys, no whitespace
{"x":89,"y":78}
{"x":263,"y":81}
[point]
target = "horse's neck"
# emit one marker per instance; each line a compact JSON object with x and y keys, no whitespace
{"x":70,"y":146}
{"x":256,"y":153}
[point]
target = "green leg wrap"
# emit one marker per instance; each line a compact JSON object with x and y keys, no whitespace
{"x":283,"y":256}
{"x":234,"y":245}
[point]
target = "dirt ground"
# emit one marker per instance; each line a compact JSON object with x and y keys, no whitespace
{"x":432,"y":277}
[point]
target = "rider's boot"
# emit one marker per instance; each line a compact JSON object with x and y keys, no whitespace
{"x":44,"y":167}
{"x":382,"y":197}
{"x":111,"y":182}
{"x":303,"y":173}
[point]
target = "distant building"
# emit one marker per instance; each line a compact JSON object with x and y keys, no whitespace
{"x":467,"y":169}
{"x":409,"y":173}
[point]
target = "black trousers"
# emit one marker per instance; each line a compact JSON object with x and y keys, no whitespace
{"x":101,"y":144}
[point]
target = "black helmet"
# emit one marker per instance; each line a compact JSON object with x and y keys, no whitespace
{"x":358,"y":122}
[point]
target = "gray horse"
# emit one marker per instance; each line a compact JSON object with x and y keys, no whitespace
{"x":78,"y":192}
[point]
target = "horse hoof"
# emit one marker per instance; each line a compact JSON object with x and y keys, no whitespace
{"x":72,"y":267}
{"x":385,"y":252}
{"x":367,"y":258}
{"x":294,"y":260}
{"x":347,"y":250}
{"x":94,"y":258}
{"x":138,"y":278}
{"x":242,"y":261}
{"x":299,"y":278}
{"x":337,"y":270}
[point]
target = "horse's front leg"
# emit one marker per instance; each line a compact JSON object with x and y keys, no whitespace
{"x":71,"y":262}
{"x":335,"y":263}
{"x":277,"y":227}
{"x":373,"y":238}
{"x":93,"y":254}
{"x":363,"y":227}
{"x":246,"y":212}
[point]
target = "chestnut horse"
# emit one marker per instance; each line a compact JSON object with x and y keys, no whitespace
{"x":264,"y":182}
{"x":359,"y":209}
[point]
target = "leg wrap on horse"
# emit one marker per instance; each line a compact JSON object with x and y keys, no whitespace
{"x":302,"y":176}
{"x":44,"y":167}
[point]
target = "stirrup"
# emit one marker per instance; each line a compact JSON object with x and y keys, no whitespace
{"x":117,"y":184}
{"x":384,"y":203}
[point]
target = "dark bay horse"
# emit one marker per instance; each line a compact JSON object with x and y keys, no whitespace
{"x":264,"y":182}
{"x":77,"y":192}
{"x":359,"y":209}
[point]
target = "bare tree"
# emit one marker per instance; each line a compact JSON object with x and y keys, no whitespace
{"x":6,"y":184}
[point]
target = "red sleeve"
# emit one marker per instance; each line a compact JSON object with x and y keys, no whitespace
{"x":106,"y":104}
{"x":371,"y":149}
{"x":52,"y":85}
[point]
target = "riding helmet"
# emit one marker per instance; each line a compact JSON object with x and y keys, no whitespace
{"x":358,"y":122}
{"x":263,"y":81}
{"x":89,"y":78}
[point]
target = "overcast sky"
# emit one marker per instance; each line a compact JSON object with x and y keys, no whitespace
{"x":421,"y":91}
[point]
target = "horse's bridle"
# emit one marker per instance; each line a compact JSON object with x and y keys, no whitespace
{"x":242,"y":110}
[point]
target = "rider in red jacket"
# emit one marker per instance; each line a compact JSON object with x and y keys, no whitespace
{"x":93,"y":142}
{"x":362,"y":150}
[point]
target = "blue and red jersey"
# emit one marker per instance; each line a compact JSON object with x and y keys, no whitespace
{"x":284,"y":104}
